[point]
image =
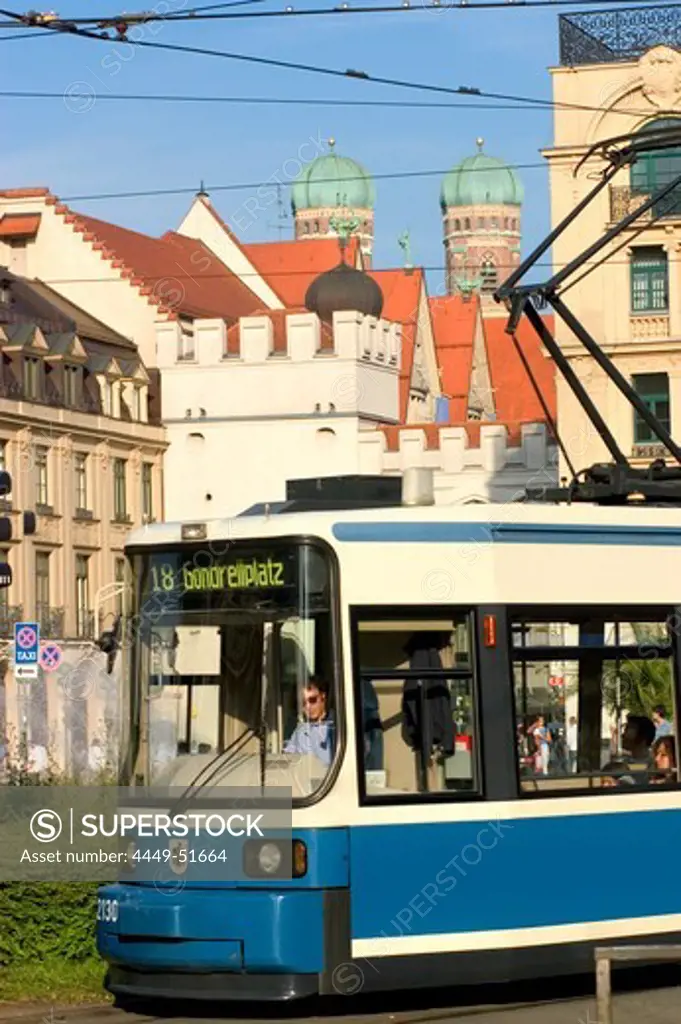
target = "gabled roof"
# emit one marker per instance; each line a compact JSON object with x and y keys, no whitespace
{"x":181,"y":273}
{"x":515,"y":401}
{"x":454,"y":319}
{"x":401,"y":299}
{"x":105,"y":364}
{"x":66,"y":344}
{"x":291,"y":267}
{"x":515,"y":398}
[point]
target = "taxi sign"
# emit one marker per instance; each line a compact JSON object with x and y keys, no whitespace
{"x":26,"y":649}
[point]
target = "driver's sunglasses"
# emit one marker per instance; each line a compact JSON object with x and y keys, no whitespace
{"x":311,"y":700}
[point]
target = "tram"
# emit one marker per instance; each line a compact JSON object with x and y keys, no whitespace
{"x":416,"y":649}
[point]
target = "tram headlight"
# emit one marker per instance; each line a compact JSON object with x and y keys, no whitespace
{"x":269,"y":858}
{"x":273,"y":858}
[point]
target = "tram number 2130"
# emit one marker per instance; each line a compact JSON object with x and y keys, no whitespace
{"x":107,"y":910}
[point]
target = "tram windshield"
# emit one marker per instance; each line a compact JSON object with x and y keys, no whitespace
{"x":232,"y":666}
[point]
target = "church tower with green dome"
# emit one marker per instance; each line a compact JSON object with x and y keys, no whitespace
{"x":481,"y":199}
{"x":334,"y":194}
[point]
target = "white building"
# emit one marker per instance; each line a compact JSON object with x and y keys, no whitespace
{"x":255,"y":390}
{"x":296,"y":398}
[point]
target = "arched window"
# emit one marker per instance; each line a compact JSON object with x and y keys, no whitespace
{"x":467,"y":224}
{"x":306,"y":228}
{"x":652,"y":171}
{"x":316,"y":227}
{"x":457,"y":224}
{"x":505,"y":223}
{"x":488,"y":275}
{"x":481,"y":222}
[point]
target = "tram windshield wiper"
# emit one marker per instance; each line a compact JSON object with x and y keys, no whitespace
{"x":215,"y":766}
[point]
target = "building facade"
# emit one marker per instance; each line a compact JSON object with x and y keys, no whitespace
{"x":82,"y":441}
{"x":618,"y":75}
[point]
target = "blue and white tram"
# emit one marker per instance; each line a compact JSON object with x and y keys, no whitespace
{"x":482,"y":797}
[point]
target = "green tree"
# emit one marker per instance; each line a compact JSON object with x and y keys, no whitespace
{"x":637,"y":686}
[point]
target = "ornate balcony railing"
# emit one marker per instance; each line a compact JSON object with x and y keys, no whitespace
{"x":610,"y":36}
{"x":648,"y":451}
{"x":649,"y":326}
{"x":9,"y":614}
{"x":51,"y":622}
{"x":624,"y":200}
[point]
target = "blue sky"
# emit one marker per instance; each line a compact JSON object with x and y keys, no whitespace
{"x":85,"y":145}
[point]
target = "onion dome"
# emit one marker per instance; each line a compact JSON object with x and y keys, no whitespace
{"x":341,"y":289}
{"x":332,"y":181}
{"x":481,"y":180}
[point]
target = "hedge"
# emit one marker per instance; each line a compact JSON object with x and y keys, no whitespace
{"x":47,"y":920}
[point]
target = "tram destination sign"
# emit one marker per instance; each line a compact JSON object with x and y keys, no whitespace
{"x":230,"y":573}
{"x":251,"y":574}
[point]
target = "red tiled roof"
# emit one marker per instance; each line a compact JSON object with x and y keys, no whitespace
{"x":24,"y":193}
{"x":401,"y":298}
{"x":19,"y":225}
{"x":514,"y":395}
{"x":454,"y":320}
{"x":278,"y":318}
{"x":179,"y":273}
{"x":290,"y":267}
{"x":432,"y":432}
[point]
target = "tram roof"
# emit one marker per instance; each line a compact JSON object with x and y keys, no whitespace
{"x":256,"y":523}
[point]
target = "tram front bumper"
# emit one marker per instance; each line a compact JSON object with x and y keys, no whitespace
{"x":157,"y":940}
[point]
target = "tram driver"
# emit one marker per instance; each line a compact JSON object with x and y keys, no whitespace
{"x":315,"y":734}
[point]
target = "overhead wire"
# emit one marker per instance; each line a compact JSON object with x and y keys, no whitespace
{"x":208,"y":12}
{"x":272,"y":183}
{"x":23,"y":35}
{"x":274,"y":275}
{"x":274,"y":100}
{"x":461,"y":90}
{"x":534,"y":102}
{"x":318,"y":70}
{"x":528,"y":104}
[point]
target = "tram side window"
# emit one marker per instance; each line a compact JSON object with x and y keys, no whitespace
{"x":415,"y":701}
{"x":594,"y":698}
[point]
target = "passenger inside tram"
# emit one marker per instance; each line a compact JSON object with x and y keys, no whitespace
{"x":664,"y":759}
{"x":603,"y":682}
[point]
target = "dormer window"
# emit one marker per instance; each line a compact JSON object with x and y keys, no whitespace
{"x":71,"y":395}
{"x":32,"y":377}
{"x":107,"y":398}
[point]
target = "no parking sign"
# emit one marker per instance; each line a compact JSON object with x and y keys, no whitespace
{"x":50,"y":657}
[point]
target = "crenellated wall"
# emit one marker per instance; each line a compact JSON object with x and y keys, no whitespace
{"x":274,"y":396}
{"x":497,"y":467}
